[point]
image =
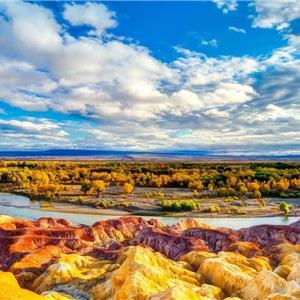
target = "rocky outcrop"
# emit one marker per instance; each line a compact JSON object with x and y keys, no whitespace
{"x":136,"y":259}
{"x":144,"y":274}
{"x":10,"y":290}
{"x":247,"y":249}
{"x":171,"y":245}
{"x":216,"y":240}
{"x":47,"y":238}
{"x":229,"y":271}
{"x":262,"y":285}
{"x":72,"y":268}
{"x":266,"y":235}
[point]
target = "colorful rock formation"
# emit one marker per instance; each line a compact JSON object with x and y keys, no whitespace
{"x":135,"y":259}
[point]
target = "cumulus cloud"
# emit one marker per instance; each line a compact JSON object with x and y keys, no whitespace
{"x":275,"y":14}
{"x":30,"y":25}
{"x":127,"y":98}
{"x":236,"y":29}
{"x":111,"y":79}
{"x":95,"y":15}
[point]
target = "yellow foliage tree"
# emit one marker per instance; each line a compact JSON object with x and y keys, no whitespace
{"x":99,"y":186}
{"x":127,"y":188}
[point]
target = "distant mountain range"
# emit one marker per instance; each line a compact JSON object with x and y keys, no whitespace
{"x":179,"y":155}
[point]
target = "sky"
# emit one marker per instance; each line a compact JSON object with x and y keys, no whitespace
{"x":217,"y":76}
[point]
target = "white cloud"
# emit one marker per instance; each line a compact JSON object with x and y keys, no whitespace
{"x":133,"y":99}
{"x":32,"y":26}
{"x":217,"y":113}
{"x":213,"y":43}
{"x":236,"y":29}
{"x":275,"y":14}
{"x":31,"y":133}
{"x":109,"y":80}
{"x":92,"y":14}
{"x":218,"y":81}
{"x":226,"y":5}
{"x":35,"y":125}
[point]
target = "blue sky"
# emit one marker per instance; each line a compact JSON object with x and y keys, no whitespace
{"x":221,"y":76}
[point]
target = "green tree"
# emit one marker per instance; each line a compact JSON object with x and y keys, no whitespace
{"x":283,"y":206}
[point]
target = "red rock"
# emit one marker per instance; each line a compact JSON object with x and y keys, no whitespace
{"x":216,"y":239}
{"x":21,"y":238}
{"x":268,"y":235}
{"x":173,"y":246}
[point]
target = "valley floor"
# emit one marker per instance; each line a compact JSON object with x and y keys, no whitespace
{"x":148,"y":202}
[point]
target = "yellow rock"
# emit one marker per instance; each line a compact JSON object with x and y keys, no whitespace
{"x":260,"y":263}
{"x":196,"y":258}
{"x":56,"y":296}
{"x":183,"y":293}
{"x":295,"y":273}
{"x":229,"y":271}
{"x":229,"y":277}
{"x":71,"y":267}
{"x":10,"y":289}
{"x":5,"y":219}
{"x":192,"y":223}
{"x":283,"y":271}
{"x":272,"y":285}
{"x":289,"y":261}
{"x":282,"y":297}
{"x":262,"y":285}
{"x":144,"y":273}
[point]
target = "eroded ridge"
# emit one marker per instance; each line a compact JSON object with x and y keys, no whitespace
{"x":135,"y":258}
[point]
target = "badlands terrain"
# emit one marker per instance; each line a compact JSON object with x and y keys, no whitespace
{"x":131,"y":258}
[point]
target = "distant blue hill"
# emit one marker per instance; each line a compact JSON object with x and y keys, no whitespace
{"x":136,"y":155}
{"x":81,"y":152}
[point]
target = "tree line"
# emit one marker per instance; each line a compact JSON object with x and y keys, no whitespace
{"x":210,"y":179}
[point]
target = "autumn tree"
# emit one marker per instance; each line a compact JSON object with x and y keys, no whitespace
{"x":231,"y":181}
{"x":195,"y":185}
{"x":127,"y":188}
{"x":256,"y":194}
{"x":253,"y":186}
{"x":86,"y":185}
{"x":281,"y":185}
{"x":99,"y":186}
{"x":265,"y":188}
{"x":211,"y":186}
{"x":243,"y":189}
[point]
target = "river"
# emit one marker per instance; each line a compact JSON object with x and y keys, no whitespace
{"x":20,"y":206}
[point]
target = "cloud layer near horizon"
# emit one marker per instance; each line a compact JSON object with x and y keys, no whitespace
{"x":128,"y":99}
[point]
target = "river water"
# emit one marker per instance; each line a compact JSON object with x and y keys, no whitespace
{"x":22,"y":207}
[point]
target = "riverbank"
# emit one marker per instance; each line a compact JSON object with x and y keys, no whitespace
{"x":139,"y":204}
{"x":22,"y":207}
{"x":77,"y":209}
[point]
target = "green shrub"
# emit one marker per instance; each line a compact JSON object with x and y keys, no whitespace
{"x":283,"y":195}
{"x":179,"y":205}
{"x":283,"y":206}
{"x":103,"y":204}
